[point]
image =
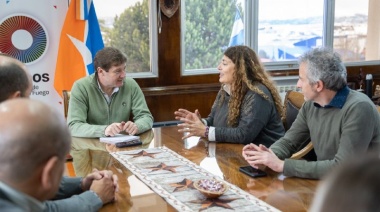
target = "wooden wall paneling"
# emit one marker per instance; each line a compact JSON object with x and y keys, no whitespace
{"x":163,"y":107}
{"x":169,"y":51}
{"x":163,"y":101}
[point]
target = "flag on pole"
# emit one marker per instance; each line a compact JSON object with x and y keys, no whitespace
{"x":82,"y":9}
{"x":80,"y":39}
{"x":237,"y":35}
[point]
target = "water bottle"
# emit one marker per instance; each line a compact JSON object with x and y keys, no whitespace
{"x":368,"y":85}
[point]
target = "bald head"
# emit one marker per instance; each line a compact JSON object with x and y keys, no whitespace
{"x":15,"y":80}
{"x":31,"y":132}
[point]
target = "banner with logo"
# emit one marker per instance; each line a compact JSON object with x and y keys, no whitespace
{"x":56,"y":39}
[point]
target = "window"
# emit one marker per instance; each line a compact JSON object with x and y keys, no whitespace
{"x":127,"y":25}
{"x":350,"y":29}
{"x":290,"y":28}
{"x":205,"y":33}
{"x":279,"y":31}
{"x":206,"y":29}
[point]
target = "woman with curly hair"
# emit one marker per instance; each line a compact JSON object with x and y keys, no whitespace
{"x":247,"y":109}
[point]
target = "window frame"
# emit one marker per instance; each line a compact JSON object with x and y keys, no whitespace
{"x":153,"y":43}
{"x":251,"y":38}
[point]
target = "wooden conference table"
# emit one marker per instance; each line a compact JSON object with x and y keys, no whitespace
{"x":286,"y":194}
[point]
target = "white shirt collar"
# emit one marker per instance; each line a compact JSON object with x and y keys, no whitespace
{"x":227,"y":89}
{"x":108,"y":98}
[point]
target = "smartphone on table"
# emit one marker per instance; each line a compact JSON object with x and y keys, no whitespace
{"x":252,"y":172}
{"x":128,"y":143}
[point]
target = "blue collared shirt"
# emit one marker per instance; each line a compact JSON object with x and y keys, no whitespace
{"x":338,"y":100}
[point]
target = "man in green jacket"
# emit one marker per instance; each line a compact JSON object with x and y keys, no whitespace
{"x":340,"y":122}
{"x":103,"y":103}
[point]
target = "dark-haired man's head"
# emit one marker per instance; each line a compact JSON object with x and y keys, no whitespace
{"x":15,"y":80}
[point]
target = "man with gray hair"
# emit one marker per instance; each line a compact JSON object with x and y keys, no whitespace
{"x":34,"y":141}
{"x":340,"y":122}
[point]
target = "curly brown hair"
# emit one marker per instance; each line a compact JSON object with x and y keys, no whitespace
{"x":249,"y":71}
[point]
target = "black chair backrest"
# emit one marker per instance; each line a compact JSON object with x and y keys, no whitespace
{"x":293,"y":102}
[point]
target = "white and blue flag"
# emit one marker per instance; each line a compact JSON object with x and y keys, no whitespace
{"x":237,"y":35}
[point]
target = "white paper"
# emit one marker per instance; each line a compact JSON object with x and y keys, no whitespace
{"x":118,"y":138}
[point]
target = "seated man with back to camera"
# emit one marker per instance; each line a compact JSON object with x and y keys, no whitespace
{"x":32,"y":161}
{"x":340,"y":122}
{"x":75,"y":193}
{"x":247,"y":108}
{"x":101,"y":104}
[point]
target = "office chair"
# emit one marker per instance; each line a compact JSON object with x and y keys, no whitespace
{"x":66,"y":99}
{"x":292,"y":103}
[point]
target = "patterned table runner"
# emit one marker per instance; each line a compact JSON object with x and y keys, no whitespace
{"x":171,"y":176}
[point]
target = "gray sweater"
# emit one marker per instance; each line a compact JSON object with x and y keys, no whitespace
{"x":337,"y":134}
{"x":70,"y":197}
